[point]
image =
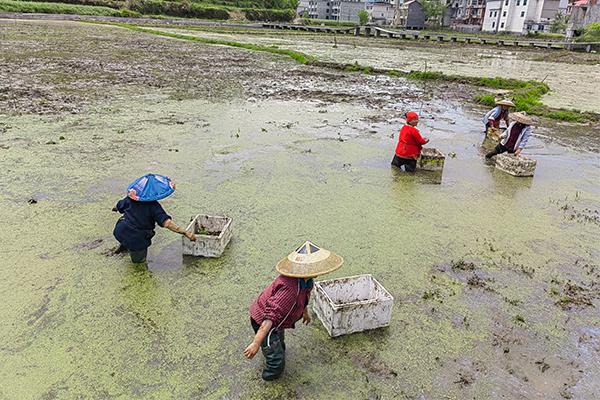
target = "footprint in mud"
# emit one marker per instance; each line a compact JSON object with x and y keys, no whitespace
{"x":90,"y":244}
{"x":373,"y":364}
{"x":114,"y":251}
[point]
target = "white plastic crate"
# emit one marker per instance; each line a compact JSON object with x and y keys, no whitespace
{"x":431,"y":160}
{"x":352,"y":304}
{"x":516,"y":165}
{"x":211,"y":243}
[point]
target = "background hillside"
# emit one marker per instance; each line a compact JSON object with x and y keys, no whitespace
{"x":251,"y":10}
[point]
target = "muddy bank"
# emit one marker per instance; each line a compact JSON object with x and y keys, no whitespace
{"x":495,"y":278}
{"x":570,"y":87}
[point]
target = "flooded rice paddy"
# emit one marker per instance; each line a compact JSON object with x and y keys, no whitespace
{"x":576,"y":88}
{"x":495,"y":278}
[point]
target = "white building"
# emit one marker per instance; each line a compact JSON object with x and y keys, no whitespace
{"x":337,"y":10}
{"x":520,"y":16}
{"x":380,"y":12}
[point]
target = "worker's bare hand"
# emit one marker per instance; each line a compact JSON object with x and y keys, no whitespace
{"x":426,"y":140}
{"x":190,"y":236}
{"x":306,"y":318}
{"x":517,"y":152}
{"x":251,"y":350}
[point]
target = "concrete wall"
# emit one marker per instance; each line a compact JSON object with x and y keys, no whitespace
{"x":411,"y":16}
{"x":582,"y":17}
{"x":349,"y":11}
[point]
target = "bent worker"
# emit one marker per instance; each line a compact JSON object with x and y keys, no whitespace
{"x":284,"y":302}
{"x":409,"y":145}
{"x":515,"y":137}
{"x":141,"y":211}
{"x":499,"y":113}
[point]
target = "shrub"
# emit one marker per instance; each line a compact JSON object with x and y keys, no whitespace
{"x":486,"y":99}
{"x":269,"y":15}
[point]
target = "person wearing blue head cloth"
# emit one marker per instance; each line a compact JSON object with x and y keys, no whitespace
{"x":141,"y":211}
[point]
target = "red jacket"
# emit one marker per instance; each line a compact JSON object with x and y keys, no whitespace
{"x":410,"y":142}
{"x":276,"y":301}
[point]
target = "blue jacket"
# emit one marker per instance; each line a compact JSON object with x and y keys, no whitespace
{"x":136,"y":228}
{"x":496,"y":114}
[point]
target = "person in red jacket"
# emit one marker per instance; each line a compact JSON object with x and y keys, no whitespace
{"x":284,"y":302}
{"x":409,"y":145}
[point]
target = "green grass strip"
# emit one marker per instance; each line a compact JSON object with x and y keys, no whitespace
{"x":301,"y":58}
{"x":526,"y":95}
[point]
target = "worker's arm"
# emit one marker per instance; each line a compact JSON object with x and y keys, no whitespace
{"x":264,"y":329}
{"x":305,"y":317}
{"x":171,"y":226}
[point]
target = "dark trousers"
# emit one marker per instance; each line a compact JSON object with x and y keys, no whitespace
{"x":136,"y":256}
{"x":498,"y":150}
{"x":410,"y":164}
{"x":273,"y":348}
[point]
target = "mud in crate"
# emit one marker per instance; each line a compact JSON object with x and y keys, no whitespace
{"x":212,"y":236}
{"x":352,"y":304}
{"x":516,"y":165}
{"x":431,"y":160}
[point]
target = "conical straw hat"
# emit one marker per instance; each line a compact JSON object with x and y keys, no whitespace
{"x":309,"y":261}
{"x":521,"y":117}
{"x":150,"y":187}
{"x":505,"y":102}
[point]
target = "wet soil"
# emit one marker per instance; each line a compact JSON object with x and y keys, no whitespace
{"x":495,"y":278}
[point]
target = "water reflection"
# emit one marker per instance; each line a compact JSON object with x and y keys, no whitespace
{"x":420,"y":176}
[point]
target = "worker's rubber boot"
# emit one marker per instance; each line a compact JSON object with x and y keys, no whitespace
{"x":274,"y":356}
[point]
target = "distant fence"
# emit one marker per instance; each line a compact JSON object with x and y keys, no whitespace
{"x":411,"y":35}
{"x":366,"y":31}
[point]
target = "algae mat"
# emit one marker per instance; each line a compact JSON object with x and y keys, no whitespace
{"x":494,"y":277}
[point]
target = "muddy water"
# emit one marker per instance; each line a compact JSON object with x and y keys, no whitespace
{"x":576,"y":87}
{"x":485,"y":268}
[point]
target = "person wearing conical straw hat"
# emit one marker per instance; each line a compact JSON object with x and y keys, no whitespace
{"x":141,"y":211}
{"x":495,"y":115}
{"x":284,"y":302}
{"x":515,"y":137}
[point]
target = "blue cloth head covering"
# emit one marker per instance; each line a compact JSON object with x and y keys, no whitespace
{"x":150,"y":187}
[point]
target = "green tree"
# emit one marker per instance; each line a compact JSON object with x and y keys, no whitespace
{"x":560,"y":22}
{"x":434,"y":9}
{"x":363,"y":17}
{"x":591,"y":33}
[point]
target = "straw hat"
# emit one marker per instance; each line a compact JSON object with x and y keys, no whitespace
{"x":505,"y":102}
{"x":521,"y":117}
{"x":309,"y":261}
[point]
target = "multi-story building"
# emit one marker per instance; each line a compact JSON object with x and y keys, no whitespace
{"x":380,"y":12}
{"x":520,"y":16}
{"x":467,"y":12}
{"x":335,"y":10}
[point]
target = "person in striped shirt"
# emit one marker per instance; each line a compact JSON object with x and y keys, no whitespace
{"x":285,"y":302}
